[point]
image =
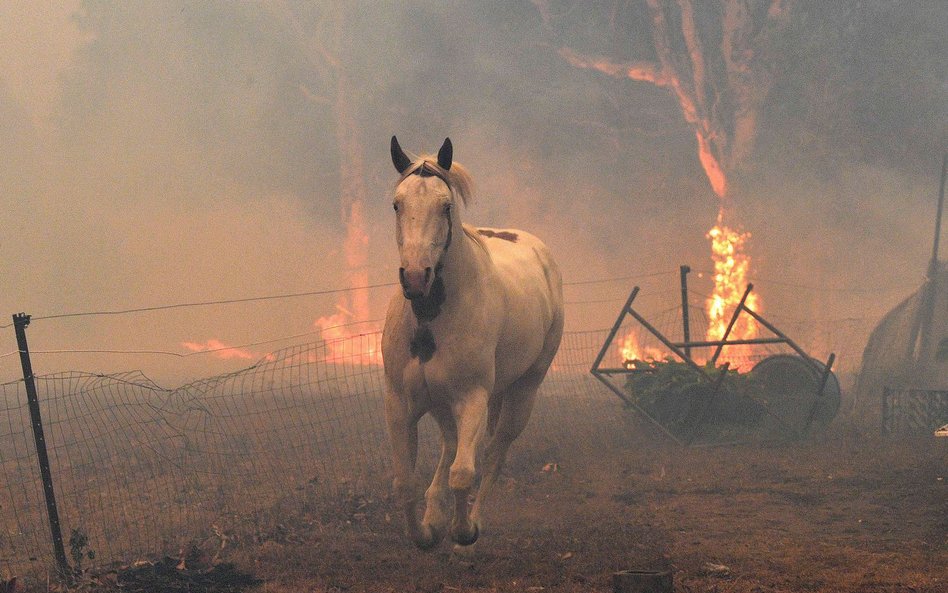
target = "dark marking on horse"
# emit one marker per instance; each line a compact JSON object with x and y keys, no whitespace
{"x":447,"y":242}
{"x":422,"y":344}
{"x":505,"y":235}
{"x":426,"y":308}
{"x":399,"y":158}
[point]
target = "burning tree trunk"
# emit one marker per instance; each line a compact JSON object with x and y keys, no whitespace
{"x":352,"y":186}
{"x":326,"y":63}
{"x":713,"y":65}
{"x":720,"y":86}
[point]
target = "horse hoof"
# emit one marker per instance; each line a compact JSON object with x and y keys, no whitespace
{"x":429,"y":538}
{"x":466,"y":539}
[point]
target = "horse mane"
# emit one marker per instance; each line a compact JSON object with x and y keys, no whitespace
{"x":457,"y":177}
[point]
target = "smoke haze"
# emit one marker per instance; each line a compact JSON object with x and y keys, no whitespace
{"x":172,"y":152}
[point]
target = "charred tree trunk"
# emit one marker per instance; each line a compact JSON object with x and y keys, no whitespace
{"x":711,"y":57}
{"x":718,"y":78}
{"x":325,"y":61}
{"x":352,"y":192}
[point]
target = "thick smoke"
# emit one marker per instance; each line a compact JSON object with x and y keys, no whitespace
{"x":174,"y":152}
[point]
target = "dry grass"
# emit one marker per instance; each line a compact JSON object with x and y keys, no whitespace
{"x":839,"y":514}
{"x":291,"y":484}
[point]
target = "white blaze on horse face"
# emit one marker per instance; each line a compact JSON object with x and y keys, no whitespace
{"x":422,"y":230}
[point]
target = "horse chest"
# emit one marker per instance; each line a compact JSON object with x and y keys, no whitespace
{"x":422,"y":344}
{"x":441,"y":362}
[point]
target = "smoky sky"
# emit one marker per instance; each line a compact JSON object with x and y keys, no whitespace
{"x":173,"y":152}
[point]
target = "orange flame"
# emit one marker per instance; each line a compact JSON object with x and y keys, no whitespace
{"x":223,"y":351}
{"x":343,"y":345}
{"x":731,"y":269}
{"x":712,"y":168}
{"x":356,"y":254}
{"x":630,"y":351}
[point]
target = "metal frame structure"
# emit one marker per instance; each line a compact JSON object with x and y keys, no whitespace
{"x":683,"y":351}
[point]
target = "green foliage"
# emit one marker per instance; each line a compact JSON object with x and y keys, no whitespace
{"x":670,"y":378}
{"x":678,"y":397}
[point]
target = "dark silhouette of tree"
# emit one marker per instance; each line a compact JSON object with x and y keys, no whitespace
{"x":322,"y":43}
{"x":712,"y":57}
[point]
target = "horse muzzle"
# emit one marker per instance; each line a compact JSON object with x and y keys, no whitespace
{"x":416,"y":282}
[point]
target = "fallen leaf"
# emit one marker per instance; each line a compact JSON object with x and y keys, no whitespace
{"x":718,"y":570}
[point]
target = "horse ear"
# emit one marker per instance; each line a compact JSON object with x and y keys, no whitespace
{"x":399,"y":159}
{"x":445,"y":155}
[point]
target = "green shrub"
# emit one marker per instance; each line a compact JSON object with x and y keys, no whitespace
{"x":678,"y":397}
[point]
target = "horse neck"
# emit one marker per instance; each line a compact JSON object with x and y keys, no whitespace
{"x":462,"y":265}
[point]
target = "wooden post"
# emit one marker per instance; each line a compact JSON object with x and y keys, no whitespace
{"x":20,"y":321}
{"x":686,"y":326}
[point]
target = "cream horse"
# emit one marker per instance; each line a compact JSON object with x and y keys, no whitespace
{"x":469,"y":340}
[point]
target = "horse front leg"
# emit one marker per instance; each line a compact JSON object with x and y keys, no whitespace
{"x":403,"y":434}
{"x":437,"y":508}
{"x":470,"y":417}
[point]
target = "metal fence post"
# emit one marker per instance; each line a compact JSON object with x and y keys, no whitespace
{"x":685,"y":324}
{"x":20,"y":321}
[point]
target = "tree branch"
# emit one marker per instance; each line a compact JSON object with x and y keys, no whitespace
{"x":309,"y":46}
{"x":313,"y":97}
{"x":668,"y":68}
{"x":543,"y":7}
{"x":695,"y":52}
{"x":643,"y":71}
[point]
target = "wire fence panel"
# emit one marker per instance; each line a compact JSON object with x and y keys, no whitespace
{"x":141,"y":471}
{"x":25,"y":532}
{"x":913,"y":411}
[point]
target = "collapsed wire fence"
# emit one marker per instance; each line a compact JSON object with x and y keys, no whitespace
{"x":142,"y":470}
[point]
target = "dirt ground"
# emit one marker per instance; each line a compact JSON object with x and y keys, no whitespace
{"x":841,"y":512}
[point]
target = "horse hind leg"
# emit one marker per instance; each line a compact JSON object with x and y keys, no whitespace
{"x":517,"y":404}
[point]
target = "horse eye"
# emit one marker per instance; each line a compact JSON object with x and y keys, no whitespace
{"x":447,"y":208}
{"x":395,"y":206}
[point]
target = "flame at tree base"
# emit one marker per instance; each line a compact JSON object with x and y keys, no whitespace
{"x":343,"y":345}
{"x":731,"y":270}
{"x":630,"y":352}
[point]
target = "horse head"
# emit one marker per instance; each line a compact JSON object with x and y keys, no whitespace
{"x":424,"y":216}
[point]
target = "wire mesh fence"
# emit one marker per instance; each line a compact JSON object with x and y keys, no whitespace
{"x":141,"y":470}
{"x":913,"y":411}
